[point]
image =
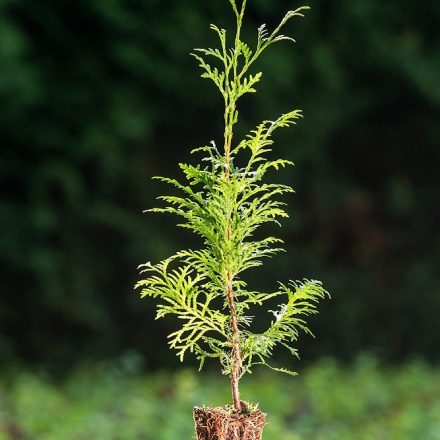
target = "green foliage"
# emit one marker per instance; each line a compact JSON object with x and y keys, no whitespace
{"x":327,"y":402}
{"x":86,"y":115}
{"x":225,"y":200}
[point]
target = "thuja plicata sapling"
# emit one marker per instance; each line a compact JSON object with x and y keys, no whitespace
{"x":225,"y":199}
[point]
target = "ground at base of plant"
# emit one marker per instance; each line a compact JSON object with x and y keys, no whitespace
{"x":225,"y":423}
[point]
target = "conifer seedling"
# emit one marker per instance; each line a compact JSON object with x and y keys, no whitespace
{"x":225,"y":199}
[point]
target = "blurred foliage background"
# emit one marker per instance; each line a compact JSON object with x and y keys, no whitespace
{"x":100,"y":95}
{"x":111,"y":401}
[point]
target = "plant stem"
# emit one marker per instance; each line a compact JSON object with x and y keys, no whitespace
{"x":236,"y":354}
{"x":230,"y":120}
{"x":235,"y":339}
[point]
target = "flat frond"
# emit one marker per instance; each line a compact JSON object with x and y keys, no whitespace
{"x":224,"y":200}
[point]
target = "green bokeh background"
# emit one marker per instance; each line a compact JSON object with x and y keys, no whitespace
{"x":327,"y":402}
{"x":98,"y":96}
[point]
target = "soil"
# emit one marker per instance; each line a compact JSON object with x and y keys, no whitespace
{"x":224,"y":423}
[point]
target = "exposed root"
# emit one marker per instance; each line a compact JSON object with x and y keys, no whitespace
{"x":224,"y":423}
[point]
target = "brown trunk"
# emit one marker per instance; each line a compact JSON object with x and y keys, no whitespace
{"x":226,"y":424}
{"x":236,"y":355}
{"x":236,"y":363}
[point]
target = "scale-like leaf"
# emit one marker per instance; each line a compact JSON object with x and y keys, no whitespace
{"x":224,"y":200}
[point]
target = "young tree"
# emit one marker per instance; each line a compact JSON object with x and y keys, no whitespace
{"x":225,"y":199}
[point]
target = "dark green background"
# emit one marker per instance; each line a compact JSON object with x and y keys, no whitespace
{"x":97,"y":96}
